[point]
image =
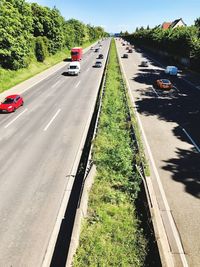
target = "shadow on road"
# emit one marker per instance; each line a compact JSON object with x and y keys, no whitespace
{"x":182,"y":108}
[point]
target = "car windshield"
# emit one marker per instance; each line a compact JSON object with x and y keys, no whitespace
{"x":165,"y":81}
{"x":73,"y":67}
{"x":8,"y":101}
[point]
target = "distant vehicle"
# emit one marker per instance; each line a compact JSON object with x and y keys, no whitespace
{"x":130,"y":50}
{"x":100,"y":56}
{"x":171,"y":70}
{"x":123,"y":44}
{"x":144,"y":64}
{"x":127,"y":48}
{"x":76,"y":53}
{"x":97,"y":50}
{"x":98,"y":64}
{"x":164,"y":84}
{"x":91,"y":48}
{"x":74,"y":68}
{"x":125,"y":55}
{"x":11,"y":103}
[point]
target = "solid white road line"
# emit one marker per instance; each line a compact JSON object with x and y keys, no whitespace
{"x":193,"y":142}
{"x":167,"y":208}
{"x":155,"y":91}
{"x":77,"y":84}
{"x":15,"y":118}
{"x":58,"y":111}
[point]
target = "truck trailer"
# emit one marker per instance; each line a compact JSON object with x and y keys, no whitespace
{"x":76,"y":53}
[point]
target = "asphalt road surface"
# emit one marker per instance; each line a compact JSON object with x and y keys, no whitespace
{"x":39,"y":143}
{"x":171,"y":124}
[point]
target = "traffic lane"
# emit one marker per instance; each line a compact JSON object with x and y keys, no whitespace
{"x":176,"y":162}
{"x":33,"y":174}
{"x":180,"y":104}
{"x":52,"y":81}
{"x":36,"y":153}
{"x":184,"y":96}
{"x":182,"y":108}
{"x":193,"y":78}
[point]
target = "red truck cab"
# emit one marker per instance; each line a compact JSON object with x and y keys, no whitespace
{"x":76,"y":53}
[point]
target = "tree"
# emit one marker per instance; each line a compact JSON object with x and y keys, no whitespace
{"x":41,"y":48}
{"x":15,"y":37}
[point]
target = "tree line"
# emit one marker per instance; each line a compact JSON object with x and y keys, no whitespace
{"x":182,"y":42}
{"x":29,"y":31}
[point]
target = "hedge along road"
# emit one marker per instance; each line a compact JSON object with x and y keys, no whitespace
{"x":164,"y":116}
{"x":38,"y":149}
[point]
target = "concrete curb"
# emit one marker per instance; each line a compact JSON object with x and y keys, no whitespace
{"x":80,"y":214}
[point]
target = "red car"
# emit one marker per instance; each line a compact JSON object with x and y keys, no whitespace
{"x":11,"y":103}
{"x":164,"y":84}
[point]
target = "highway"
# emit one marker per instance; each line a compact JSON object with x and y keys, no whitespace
{"x":170,"y":121}
{"x":39,"y":146}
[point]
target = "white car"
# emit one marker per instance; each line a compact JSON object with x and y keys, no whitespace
{"x":74,"y":68}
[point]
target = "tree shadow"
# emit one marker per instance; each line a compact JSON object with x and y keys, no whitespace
{"x":182,"y":108}
{"x":185,"y":170}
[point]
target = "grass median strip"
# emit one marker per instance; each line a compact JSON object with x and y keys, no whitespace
{"x":111,"y":233}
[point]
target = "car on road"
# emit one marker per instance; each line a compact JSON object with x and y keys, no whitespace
{"x":164,"y":84}
{"x":97,"y":64}
{"x":100,"y":56}
{"x":144,"y":64}
{"x":97,"y":50}
{"x":125,"y":56}
{"x":130,"y":50}
{"x":171,"y":70}
{"x":74,"y":68}
{"x":11,"y":103}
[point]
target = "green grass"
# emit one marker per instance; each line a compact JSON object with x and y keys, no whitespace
{"x":10,"y":78}
{"x":111,"y":234}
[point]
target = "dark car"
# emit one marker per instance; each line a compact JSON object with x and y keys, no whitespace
{"x":100,"y":56}
{"x":144,"y":64}
{"x":130,"y":50}
{"x":98,"y":64}
{"x":97,"y":50}
{"x":11,"y":103}
{"x":125,"y":55}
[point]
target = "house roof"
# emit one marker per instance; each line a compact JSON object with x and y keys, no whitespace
{"x":166,"y":25}
{"x":173,"y":24}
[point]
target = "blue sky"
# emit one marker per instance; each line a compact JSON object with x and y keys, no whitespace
{"x":117,"y":15}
